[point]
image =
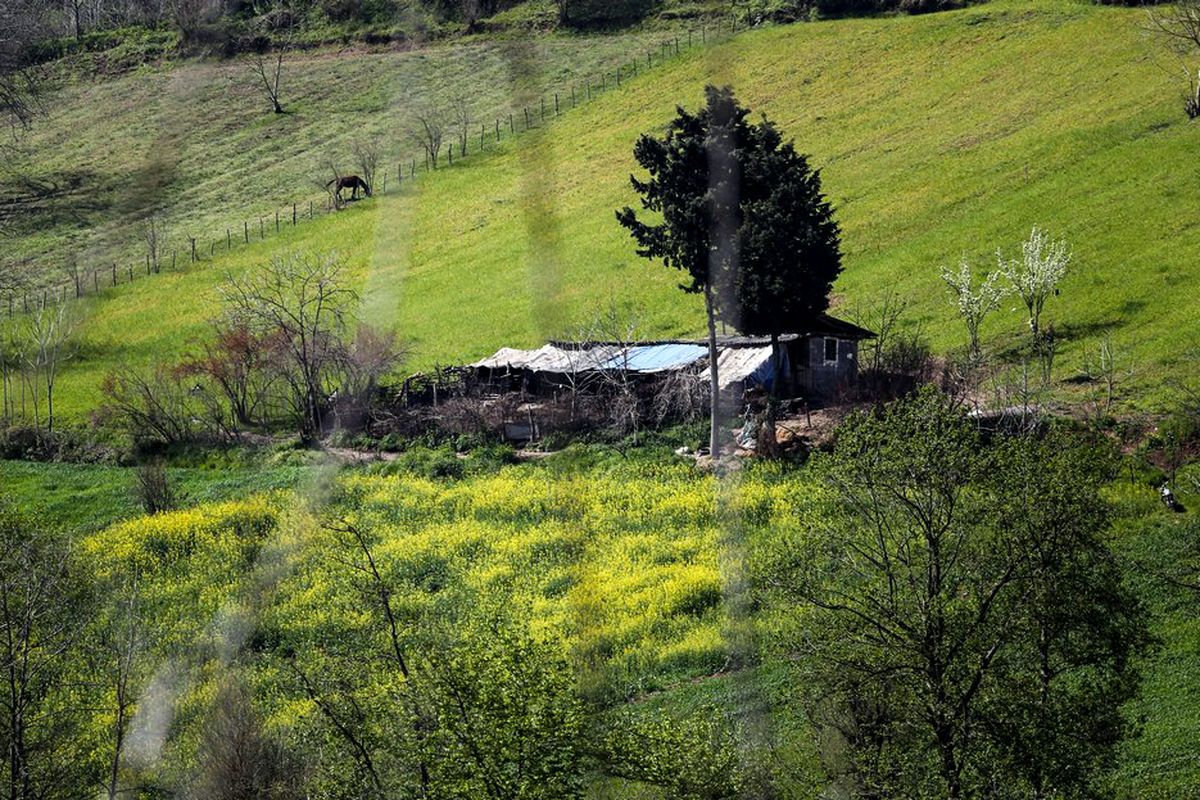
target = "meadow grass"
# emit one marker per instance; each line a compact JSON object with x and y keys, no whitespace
{"x":195,"y":142}
{"x":939,"y":137}
{"x":84,"y":498}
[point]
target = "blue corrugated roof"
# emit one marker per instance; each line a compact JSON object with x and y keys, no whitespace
{"x":657,"y":357}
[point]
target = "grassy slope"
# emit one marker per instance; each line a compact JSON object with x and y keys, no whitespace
{"x":196,"y":141}
{"x":939,"y":137}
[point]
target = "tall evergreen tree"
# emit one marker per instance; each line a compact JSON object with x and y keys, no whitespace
{"x":742,"y":214}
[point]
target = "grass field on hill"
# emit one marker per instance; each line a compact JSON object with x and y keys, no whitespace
{"x":939,"y":137}
{"x":196,"y":142}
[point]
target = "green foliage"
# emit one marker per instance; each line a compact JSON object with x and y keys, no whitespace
{"x":692,"y":757}
{"x":964,"y":624}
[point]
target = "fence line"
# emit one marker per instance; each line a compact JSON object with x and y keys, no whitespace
{"x":533,"y":119}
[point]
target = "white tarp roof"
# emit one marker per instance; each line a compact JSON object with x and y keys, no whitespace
{"x":736,"y":364}
{"x":548,"y":359}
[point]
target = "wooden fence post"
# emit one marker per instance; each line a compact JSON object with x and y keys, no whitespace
{"x":542,"y":100}
{"x":262,"y":231}
{"x":603,"y":81}
{"x":482,"y":134}
{"x":95,"y":288}
{"x":114,"y":274}
{"x":572,"y":96}
{"x":193,"y":241}
{"x":173,"y":259}
{"x":310,"y":210}
{"x":212,"y":249}
{"x":450,"y":153}
{"x":131,"y":274}
{"x":277,"y":219}
{"x":511,"y":127}
{"x":497,"y":130}
{"x":527,"y":119}
{"x":293,"y":215}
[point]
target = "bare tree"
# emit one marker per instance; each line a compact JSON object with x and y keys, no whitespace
{"x":149,"y":404}
{"x":1179,"y":27}
{"x":366,"y":158}
{"x":238,"y":761}
{"x":428,"y":130}
{"x":1035,"y":276}
{"x":155,"y":237}
{"x":267,"y":67}
{"x":23,"y":86}
{"x":49,"y":333}
{"x":300,"y":300}
{"x":460,"y":109}
{"x":973,"y":302}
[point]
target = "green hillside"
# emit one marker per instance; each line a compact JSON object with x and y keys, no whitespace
{"x":939,"y":137}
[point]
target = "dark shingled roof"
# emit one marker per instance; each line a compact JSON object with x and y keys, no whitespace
{"x":826,"y":326}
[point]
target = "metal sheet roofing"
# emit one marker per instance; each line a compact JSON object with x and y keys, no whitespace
{"x":656,"y":357}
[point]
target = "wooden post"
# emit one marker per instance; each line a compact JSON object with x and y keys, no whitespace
{"x":193,"y":241}
{"x":114,"y":274}
{"x":649,"y":60}
{"x":25,"y":302}
{"x":131,"y":274}
{"x":277,"y":219}
{"x":556,"y":104}
{"x":676,"y":45}
{"x":450,"y":153}
{"x":414,"y":168}
{"x":703,"y":34}
{"x":246,"y":231}
{"x":212,"y":249}
{"x":482,"y":134}
{"x":147,"y":263}
{"x":618,"y":75}
{"x":293,"y":215}
{"x":543,"y":102}
{"x":497,"y":131}
{"x":603,"y":81}
{"x":384,"y":189}
{"x":262,"y":231}
{"x":95,"y":288}
{"x":527,"y":119}
{"x":572,"y":97}
{"x":173,"y":254}
{"x":228,"y":240}
{"x":511,"y":128}
{"x":689,"y":37}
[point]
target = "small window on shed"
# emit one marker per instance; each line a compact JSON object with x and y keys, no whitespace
{"x":831,"y":348}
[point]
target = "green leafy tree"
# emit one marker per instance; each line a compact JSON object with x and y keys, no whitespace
{"x":742,"y":215}
{"x":961,"y":624}
{"x":42,"y":605}
{"x":789,"y":244}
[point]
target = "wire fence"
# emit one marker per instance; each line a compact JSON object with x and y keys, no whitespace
{"x":195,"y":250}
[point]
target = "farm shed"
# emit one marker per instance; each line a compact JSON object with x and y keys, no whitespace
{"x":818,"y":363}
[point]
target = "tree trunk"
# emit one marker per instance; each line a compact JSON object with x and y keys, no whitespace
{"x":768,"y":437}
{"x":714,"y":437}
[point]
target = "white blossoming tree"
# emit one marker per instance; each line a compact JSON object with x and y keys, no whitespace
{"x":973,"y":299}
{"x":1036,"y":274}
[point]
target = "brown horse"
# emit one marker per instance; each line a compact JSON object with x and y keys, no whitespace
{"x":352,"y":182}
